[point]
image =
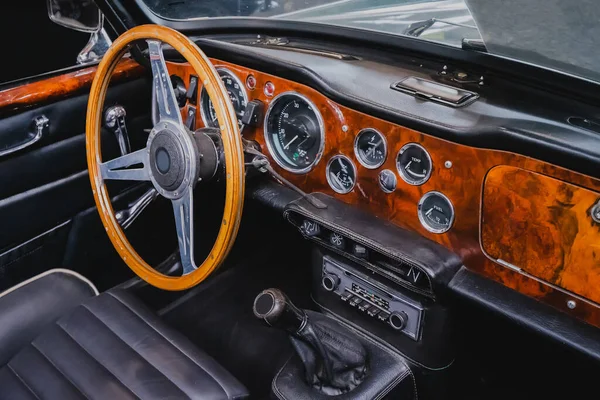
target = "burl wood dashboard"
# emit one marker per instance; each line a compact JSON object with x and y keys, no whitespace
{"x":521,"y":222}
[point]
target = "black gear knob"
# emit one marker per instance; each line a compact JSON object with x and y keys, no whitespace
{"x":276,"y":309}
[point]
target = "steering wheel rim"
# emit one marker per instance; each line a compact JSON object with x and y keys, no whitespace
{"x":171,"y":127}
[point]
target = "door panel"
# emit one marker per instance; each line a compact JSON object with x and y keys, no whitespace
{"x":46,"y":203}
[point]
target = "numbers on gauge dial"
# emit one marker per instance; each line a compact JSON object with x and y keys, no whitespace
{"x":237,"y":95}
{"x":341,"y":174}
{"x":370,"y":148}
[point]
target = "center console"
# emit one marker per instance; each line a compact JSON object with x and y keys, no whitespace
{"x":387,"y":283}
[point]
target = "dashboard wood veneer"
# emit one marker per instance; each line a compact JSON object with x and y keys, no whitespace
{"x":57,"y":87}
{"x":543,"y":226}
{"x":462,"y":183}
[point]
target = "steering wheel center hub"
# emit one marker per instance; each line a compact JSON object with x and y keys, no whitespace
{"x":173,"y":160}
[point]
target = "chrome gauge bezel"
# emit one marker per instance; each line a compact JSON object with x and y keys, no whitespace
{"x":365,"y":163}
{"x":422,"y":218}
{"x":403,"y":174}
{"x":383,"y":188}
{"x":203,"y":92}
{"x":273,"y":151}
{"x":331,"y":160}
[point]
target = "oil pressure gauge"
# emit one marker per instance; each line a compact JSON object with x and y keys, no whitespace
{"x":414,"y":164}
{"x":436,"y":212}
{"x":341,"y":174}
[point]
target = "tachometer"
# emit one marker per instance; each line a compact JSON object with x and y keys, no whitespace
{"x":341,"y":174}
{"x":236,"y":92}
{"x":436,"y":212}
{"x":294,"y":132}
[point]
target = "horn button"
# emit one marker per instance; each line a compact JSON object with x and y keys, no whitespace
{"x":167,"y":160}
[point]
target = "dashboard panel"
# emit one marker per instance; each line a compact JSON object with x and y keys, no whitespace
{"x":439,"y":195}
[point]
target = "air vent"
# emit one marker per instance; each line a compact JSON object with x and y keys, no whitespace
{"x":434,"y":91}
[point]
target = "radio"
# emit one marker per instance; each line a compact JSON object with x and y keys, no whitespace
{"x":372,"y":297}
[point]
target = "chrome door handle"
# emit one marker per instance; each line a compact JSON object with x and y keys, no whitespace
{"x":41,"y":127}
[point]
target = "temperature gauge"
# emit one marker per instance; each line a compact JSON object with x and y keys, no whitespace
{"x":341,"y":174}
{"x":436,"y":212}
{"x":414,"y":164}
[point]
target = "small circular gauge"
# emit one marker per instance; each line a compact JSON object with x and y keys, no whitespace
{"x":236,"y":92}
{"x":370,"y":148}
{"x":414,"y":164}
{"x":387,"y":181}
{"x":294,"y":132}
{"x":436,"y":212}
{"x":341,"y":174}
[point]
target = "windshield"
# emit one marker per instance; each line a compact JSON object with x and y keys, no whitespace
{"x":556,"y":34}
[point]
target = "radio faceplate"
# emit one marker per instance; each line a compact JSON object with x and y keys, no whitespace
{"x":372,"y":298}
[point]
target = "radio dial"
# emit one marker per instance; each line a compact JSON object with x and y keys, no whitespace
{"x":330,"y":282}
{"x":398,"y":320}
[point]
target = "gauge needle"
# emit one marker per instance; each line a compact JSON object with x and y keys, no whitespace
{"x":429,"y":211}
{"x":344,"y":168}
{"x":338,"y":180}
{"x":290,"y":142}
{"x":375,"y":145}
{"x":408,"y":165}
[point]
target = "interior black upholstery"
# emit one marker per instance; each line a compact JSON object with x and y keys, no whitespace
{"x":109,"y":347}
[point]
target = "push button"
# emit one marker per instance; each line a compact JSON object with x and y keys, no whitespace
{"x":346,"y":296}
{"x":383,"y":316}
{"x":355,"y":301}
{"x":373,"y":311}
{"x":364,"y":306}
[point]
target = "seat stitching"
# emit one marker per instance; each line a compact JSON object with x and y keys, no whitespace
{"x":134,"y":350}
{"x":22,"y":381}
{"x":170,"y":342}
{"x":59,"y":370}
{"x":97,"y":361}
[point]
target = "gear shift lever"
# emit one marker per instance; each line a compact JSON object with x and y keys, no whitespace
{"x":334,"y":360}
{"x":274,"y":307}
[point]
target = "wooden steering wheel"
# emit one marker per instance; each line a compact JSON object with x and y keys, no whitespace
{"x":172,"y":159}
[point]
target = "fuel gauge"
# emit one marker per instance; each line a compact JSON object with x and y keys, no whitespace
{"x":436,"y":212}
{"x":341,"y":174}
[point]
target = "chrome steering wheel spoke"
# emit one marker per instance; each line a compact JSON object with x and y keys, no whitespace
{"x":164,"y":102}
{"x":115,"y":169}
{"x":183,"y":208}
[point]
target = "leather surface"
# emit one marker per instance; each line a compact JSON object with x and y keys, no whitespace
{"x":435,"y":261}
{"x":334,"y":361}
{"x":269,"y":193}
{"x":527,"y":312}
{"x":25,"y":311}
{"x":111,"y":347}
{"x":387,"y":371}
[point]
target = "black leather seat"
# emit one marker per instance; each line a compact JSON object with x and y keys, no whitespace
{"x":107,"y":347}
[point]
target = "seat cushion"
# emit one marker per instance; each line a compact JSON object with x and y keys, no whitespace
{"x":112,"y":347}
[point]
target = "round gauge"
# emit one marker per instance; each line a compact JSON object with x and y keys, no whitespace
{"x":236,"y":92}
{"x":294,"y":132}
{"x":370,"y":148}
{"x":387,"y":181}
{"x":436,"y":212}
{"x":414,"y":164}
{"x":341,"y":174}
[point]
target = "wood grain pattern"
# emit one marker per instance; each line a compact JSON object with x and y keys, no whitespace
{"x":543,"y":226}
{"x":462,"y":183}
{"x":232,"y":146}
{"x":52,"y":89}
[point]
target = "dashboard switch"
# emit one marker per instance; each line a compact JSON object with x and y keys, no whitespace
{"x":310,"y":228}
{"x":364,"y":306}
{"x":383,"y":316}
{"x":373,"y":311}
{"x":346,"y":296}
{"x":360,"y":251}
{"x":337,"y":240}
{"x":355,"y":301}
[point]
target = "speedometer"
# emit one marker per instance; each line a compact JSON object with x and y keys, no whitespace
{"x":294,"y":132}
{"x":237,"y":95}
